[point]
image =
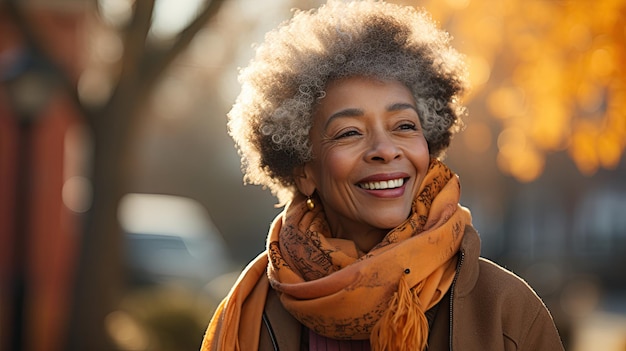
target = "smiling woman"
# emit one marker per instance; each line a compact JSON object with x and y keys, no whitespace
{"x":369,"y":158}
{"x":344,"y":114}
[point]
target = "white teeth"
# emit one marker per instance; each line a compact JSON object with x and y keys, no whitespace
{"x":388,"y":184}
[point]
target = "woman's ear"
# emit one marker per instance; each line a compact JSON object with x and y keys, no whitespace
{"x":304,"y":180}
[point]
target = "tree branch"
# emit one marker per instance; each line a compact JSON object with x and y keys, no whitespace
{"x":162,"y":60}
{"x":135,"y":40}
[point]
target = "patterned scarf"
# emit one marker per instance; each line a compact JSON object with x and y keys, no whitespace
{"x":324,"y":284}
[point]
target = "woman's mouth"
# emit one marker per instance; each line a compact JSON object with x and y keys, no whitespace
{"x":382,"y":185}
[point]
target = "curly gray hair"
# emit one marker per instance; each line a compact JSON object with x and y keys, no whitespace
{"x":271,"y":117}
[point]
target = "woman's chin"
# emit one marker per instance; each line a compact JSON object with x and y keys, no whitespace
{"x":387,"y":222}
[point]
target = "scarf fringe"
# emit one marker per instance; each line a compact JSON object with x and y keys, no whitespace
{"x":403,"y":326}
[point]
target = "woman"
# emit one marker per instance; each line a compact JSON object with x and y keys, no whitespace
{"x":344,"y":114}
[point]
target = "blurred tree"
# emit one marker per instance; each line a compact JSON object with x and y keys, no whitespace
{"x":112,"y":116}
{"x":557,"y":83}
{"x":110,"y":101}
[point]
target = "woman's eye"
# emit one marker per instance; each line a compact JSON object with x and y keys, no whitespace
{"x":408,"y":126}
{"x":346,"y":134}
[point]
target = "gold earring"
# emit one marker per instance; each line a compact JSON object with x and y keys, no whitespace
{"x":309,"y":203}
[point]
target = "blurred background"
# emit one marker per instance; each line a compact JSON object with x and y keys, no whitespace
{"x":123,"y":216}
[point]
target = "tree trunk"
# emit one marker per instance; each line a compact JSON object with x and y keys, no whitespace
{"x":100,"y":272}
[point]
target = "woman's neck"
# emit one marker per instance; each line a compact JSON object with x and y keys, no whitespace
{"x":363,"y":236}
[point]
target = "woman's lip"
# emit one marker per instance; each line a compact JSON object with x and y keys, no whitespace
{"x":369,"y":185}
{"x":383,"y":177}
{"x":389,"y":193}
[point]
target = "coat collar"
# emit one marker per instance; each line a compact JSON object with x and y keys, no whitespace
{"x":467,"y":271}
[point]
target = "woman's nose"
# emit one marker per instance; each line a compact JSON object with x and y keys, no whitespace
{"x":382,"y":148}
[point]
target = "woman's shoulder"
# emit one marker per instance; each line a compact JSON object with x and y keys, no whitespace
{"x":482,"y":277}
{"x":496,"y":279}
{"x":503,"y":296}
{"x":506,"y":292}
{"x":497,"y":310}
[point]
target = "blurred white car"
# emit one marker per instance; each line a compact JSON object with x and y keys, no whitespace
{"x":171,"y":240}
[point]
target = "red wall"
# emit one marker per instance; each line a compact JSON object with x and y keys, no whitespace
{"x":51,"y":234}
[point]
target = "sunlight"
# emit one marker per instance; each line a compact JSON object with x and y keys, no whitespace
{"x":171,"y":16}
{"x":609,"y":149}
{"x":477,"y":137}
{"x":506,"y":102}
{"x":115,"y":12}
{"x":479,"y":70}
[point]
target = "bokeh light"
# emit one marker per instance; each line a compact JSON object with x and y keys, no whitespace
{"x":549,"y":70}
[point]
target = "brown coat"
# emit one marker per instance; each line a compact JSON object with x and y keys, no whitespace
{"x":490,"y":307}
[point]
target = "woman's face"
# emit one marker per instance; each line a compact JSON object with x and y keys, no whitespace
{"x":369,"y":154}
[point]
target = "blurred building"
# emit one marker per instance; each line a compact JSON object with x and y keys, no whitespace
{"x":38,"y":165}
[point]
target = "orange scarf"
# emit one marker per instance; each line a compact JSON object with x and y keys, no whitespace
{"x":325,"y":285}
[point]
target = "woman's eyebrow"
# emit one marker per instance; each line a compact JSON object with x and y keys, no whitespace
{"x":349,"y":112}
{"x":399,"y":106}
